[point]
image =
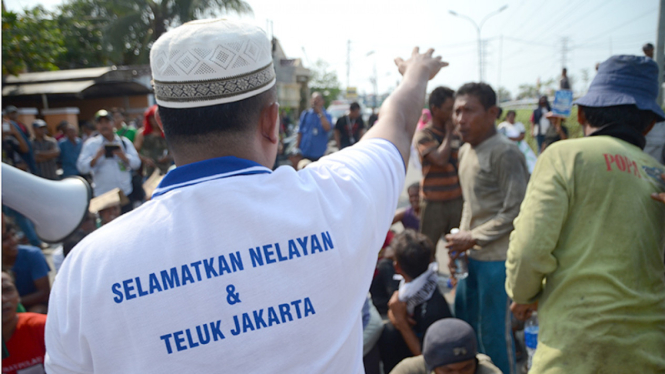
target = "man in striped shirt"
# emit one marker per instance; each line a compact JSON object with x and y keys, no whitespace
{"x":437,"y":145}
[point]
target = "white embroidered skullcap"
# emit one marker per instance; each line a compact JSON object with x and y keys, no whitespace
{"x":210,"y":62}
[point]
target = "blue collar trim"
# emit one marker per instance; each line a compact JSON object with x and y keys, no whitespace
{"x":203,"y":171}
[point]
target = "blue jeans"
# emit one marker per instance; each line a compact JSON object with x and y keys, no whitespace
{"x":482,"y":302}
{"x":540,"y":139}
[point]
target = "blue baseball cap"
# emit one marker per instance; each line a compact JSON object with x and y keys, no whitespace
{"x":625,"y":80}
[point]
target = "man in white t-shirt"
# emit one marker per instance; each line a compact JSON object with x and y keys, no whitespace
{"x":232,"y":267}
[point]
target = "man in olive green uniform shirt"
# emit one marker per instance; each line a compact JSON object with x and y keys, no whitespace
{"x":588,"y":243}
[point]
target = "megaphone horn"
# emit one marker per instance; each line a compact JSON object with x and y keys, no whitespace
{"x":57,"y":208}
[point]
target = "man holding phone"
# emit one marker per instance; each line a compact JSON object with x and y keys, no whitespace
{"x":109,"y":159}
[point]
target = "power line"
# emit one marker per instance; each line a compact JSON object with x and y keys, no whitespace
{"x":614,"y":28}
{"x":564,"y":50}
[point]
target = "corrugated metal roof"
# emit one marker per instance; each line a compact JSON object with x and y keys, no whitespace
{"x":46,"y":88}
{"x":59,"y":75}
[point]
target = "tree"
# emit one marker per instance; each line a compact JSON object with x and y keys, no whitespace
{"x":527,"y":91}
{"x":82,"y":27}
{"x":132,"y":26}
{"x":324,"y":81}
{"x":502,"y":94}
{"x":30,"y":42}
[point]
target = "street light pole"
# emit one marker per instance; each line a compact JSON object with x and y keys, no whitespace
{"x":478,"y":28}
{"x":374,"y":79}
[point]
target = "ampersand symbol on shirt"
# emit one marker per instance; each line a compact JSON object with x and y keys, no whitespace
{"x":232,"y":297}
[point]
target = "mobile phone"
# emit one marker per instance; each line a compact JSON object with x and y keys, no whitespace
{"x":109,"y":148}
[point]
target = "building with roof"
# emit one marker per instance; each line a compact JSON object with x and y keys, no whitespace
{"x":79,"y":93}
{"x":292,"y":80}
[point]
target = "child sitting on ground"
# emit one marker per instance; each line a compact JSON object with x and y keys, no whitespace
{"x":417,"y":304}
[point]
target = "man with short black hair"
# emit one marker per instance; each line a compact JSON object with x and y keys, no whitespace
{"x":417,"y":304}
{"x":438,"y":145}
{"x":29,"y":155}
{"x":349,"y":128}
{"x":587,"y":250}
{"x":70,"y":149}
{"x":313,"y":128}
{"x":648,"y":50}
{"x":268,"y":257}
{"x":493,"y":175}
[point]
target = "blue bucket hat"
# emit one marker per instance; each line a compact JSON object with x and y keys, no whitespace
{"x":625,"y":80}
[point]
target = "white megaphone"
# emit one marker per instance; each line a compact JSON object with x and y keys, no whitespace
{"x":57,"y":208}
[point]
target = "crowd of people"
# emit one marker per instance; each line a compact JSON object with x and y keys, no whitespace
{"x":573,"y":229}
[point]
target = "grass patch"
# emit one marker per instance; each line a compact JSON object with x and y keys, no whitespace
{"x":524,"y":116}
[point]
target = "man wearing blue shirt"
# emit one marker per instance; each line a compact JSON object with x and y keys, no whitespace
{"x":314,"y":128}
{"x":70,"y":149}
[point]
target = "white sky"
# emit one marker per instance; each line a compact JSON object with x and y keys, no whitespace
{"x":532,"y":35}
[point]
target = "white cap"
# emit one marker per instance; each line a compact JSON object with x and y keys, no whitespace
{"x":210,"y":62}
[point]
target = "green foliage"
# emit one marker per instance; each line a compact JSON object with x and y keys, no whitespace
{"x":30,"y":41}
{"x":527,"y":91}
{"x":503,"y":94}
{"x":82,"y":26}
{"x":91,"y":33}
{"x":134,"y":25}
{"x":324,"y":81}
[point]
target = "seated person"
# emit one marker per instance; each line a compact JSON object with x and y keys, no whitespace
{"x":410,"y":217}
{"x":417,"y":304}
{"x":30,"y":269}
{"x":450,"y":347}
{"x":22,"y":333}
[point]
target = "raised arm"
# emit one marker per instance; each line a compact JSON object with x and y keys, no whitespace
{"x":400,"y":112}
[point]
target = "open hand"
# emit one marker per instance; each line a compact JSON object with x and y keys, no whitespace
{"x":659,"y":196}
{"x":421,"y":62}
{"x":523,"y":311}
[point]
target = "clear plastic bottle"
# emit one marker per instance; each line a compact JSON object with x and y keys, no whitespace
{"x":531,"y":336}
{"x":461,"y":266}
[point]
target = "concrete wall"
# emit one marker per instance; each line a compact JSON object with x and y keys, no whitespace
{"x":53,"y":117}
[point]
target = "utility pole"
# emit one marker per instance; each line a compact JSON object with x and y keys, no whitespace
{"x":564,"y":51}
{"x":480,"y":57}
{"x":484,"y":65}
{"x":498,"y":81}
{"x":348,"y":63}
{"x":660,"y":49}
{"x":478,"y":28}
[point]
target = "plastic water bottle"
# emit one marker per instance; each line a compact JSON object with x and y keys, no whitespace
{"x":461,"y":267}
{"x":531,"y":336}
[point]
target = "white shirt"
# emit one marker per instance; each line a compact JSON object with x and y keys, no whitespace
{"x":511,"y":130}
{"x":155,"y":290}
{"x":108,"y":173}
{"x":544,"y":123}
